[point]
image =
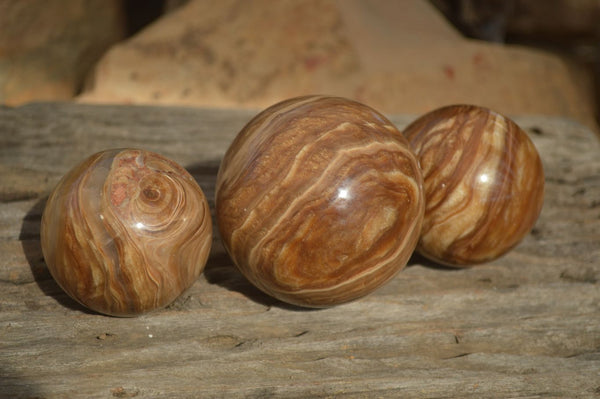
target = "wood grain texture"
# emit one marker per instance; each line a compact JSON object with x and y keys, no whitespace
{"x":484,"y":183}
{"x":126,"y":231}
{"x":319,"y":201}
{"x":526,"y":325}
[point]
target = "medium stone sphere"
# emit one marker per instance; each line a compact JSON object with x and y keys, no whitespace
{"x":484,"y":183}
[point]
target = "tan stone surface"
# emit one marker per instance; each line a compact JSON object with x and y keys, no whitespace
{"x":395,"y":56}
{"x":47,"y":47}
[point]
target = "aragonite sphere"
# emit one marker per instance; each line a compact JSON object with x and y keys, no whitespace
{"x":319,"y":201}
{"x":484,"y":183}
{"x":126,"y":231}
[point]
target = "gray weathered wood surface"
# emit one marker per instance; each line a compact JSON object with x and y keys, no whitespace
{"x":526,"y":325}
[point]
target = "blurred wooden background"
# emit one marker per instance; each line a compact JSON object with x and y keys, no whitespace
{"x":515,"y":56}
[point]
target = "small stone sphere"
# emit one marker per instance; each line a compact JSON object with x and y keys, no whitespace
{"x":484,"y":183}
{"x":126,"y":232}
{"x":319,"y":201}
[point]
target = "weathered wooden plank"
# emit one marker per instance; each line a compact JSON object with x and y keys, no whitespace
{"x":526,"y":325}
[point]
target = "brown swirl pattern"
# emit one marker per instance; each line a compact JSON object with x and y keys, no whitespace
{"x":126,"y":232}
{"x":484,"y":183}
{"x":319,"y":200}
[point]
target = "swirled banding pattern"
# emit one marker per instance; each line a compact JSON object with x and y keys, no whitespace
{"x":126,"y":231}
{"x":484,"y":183}
{"x":319,"y":200}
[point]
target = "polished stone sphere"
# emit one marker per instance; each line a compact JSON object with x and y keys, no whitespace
{"x":319,"y":200}
{"x":484,"y":183}
{"x":126,"y":231}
